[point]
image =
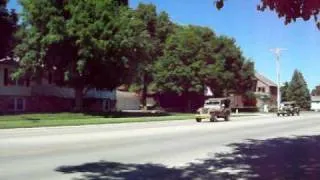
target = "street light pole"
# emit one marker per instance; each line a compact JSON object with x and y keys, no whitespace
{"x":278,"y":81}
{"x":277,"y":52}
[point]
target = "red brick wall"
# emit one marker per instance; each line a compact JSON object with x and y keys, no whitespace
{"x":48,"y":104}
{"x":236,"y":101}
{"x":94,"y":105}
{"x":37,"y":104}
{"x":5,"y":103}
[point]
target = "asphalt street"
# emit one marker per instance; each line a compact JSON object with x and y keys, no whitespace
{"x":156,"y":150}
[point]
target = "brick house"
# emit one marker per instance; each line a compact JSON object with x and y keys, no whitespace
{"x":43,"y":95}
{"x":265,"y":92}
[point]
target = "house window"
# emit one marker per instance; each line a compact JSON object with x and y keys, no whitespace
{"x":28,"y":82}
{"x":11,"y":104}
{"x":261,"y":89}
{"x":9,"y":81}
{"x":5,"y":77}
{"x":106,"y":105}
{"x":20,"y":102}
{"x":16,"y":104}
{"x":50,"y":78}
{"x":20,"y":82}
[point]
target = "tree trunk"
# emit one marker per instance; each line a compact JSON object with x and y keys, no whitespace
{"x":78,"y":100}
{"x":189,"y":105}
{"x":189,"y":101}
{"x":144,"y":91}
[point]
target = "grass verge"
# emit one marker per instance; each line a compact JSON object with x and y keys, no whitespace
{"x":76,"y":119}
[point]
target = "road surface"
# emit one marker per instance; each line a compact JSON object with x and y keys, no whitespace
{"x":158,"y":150}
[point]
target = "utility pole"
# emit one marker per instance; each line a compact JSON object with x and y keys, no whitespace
{"x":277,"y":52}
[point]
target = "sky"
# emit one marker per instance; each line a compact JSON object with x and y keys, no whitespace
{"x":255,"y":33}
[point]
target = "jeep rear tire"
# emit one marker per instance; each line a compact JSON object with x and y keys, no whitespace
{"x":198,"y":119}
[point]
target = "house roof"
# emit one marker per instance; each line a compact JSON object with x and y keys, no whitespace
{"x":123,"y":87}
{"x":265,"y":80}
{"x":315,"y":98}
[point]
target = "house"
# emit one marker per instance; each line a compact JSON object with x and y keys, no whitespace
{"x":127,"y":100}
{"x":265,"y":95}
{"x":43,"y":95}
{"x":265,"y":92}
{"x":315,"y":103}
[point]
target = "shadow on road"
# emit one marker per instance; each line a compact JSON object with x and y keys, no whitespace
{"x":279,"y":158}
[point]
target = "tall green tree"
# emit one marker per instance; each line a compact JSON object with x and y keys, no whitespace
{"x":157,"y":27}
{"x":179,"y":69}
{"x":298,"y":90}
{"x":289,"y":10}
{"x":147,"y":13}
{"x":237,"y":73}
{"x":285,"y":92}
{"x":194,"y":57}
{"x":85,"y":43}
{"x":8,"y":26}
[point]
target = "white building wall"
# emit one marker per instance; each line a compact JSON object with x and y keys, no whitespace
{"x":315,"y":103}
{"x":315,"y":106}
{"x":127,"y":101}
{"x":64,"y":92}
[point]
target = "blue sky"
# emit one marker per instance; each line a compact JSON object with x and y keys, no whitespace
{"x":255,"y":32}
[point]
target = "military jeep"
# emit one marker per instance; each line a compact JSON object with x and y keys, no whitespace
{"x":288,"y":108}
{"x":213,"y":109}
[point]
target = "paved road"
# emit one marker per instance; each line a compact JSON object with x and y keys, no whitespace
{"x":137,"y":150}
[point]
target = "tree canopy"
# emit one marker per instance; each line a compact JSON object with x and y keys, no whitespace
{"x":8,"y":26}
{"x":290,"y":10}
{"x":157,"y":26}
{"x":101,"y":39}
{"x":194,"y":57}
{"x":285,"y":92}
{"x":298,"y":90}
{"x":179,"y":70}
{"x":99,"y":44}
{"x":237,"y":73}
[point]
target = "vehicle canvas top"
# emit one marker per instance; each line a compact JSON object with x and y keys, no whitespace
{"x":289,"y":102}
{"x":217,"y":99}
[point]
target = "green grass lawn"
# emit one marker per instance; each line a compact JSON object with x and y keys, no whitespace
{"x":75,"y":119}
